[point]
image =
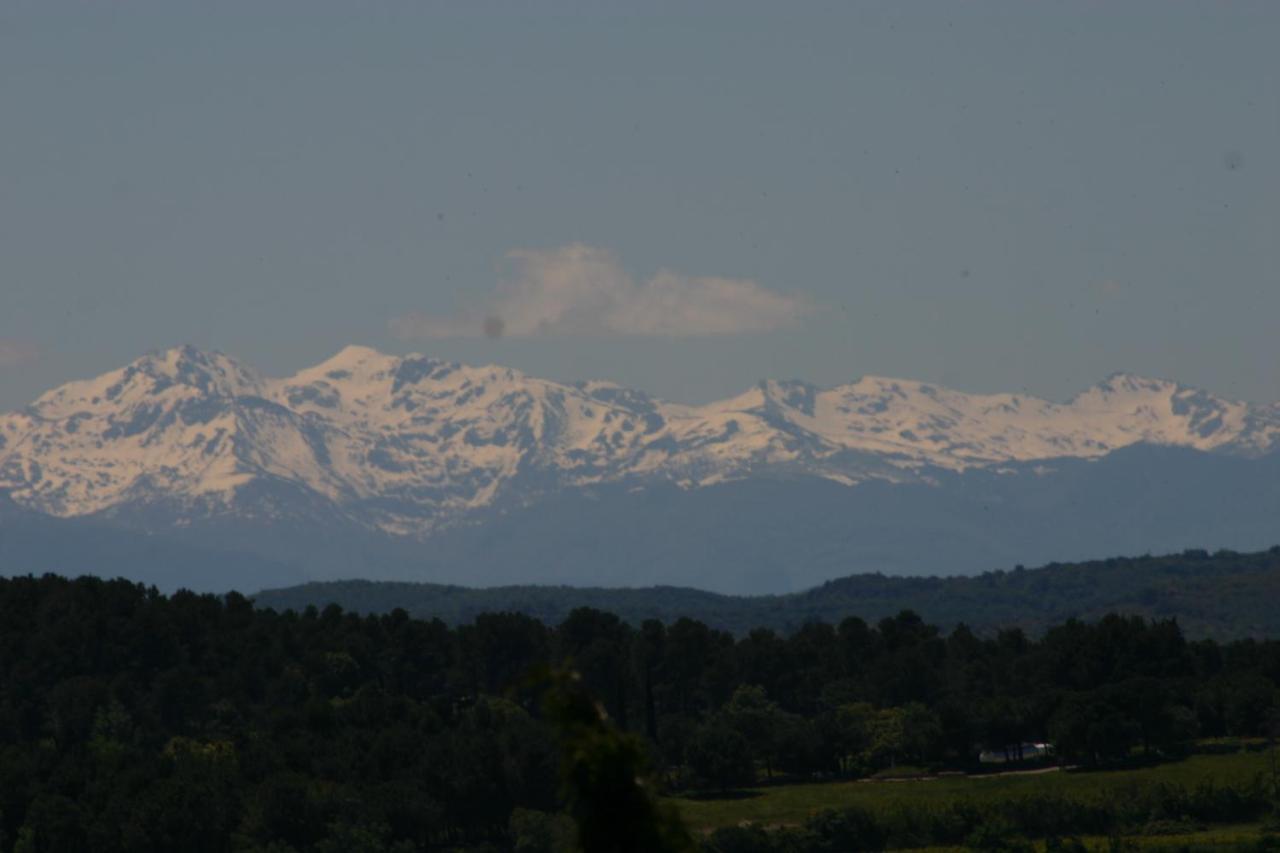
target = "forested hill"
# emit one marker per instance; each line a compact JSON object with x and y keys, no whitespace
{"x":1222,"y":595}
{"x":134,"y":721}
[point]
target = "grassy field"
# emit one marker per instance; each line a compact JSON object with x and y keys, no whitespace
{"x":1218,"y":837}
{"x":792,"y":804}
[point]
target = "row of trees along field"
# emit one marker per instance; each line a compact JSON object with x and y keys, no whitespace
{"x":135,"y":721}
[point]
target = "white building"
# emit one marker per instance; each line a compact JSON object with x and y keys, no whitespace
{"x":1015,"y":752}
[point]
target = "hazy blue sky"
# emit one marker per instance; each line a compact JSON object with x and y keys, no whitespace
{"x":994,"y":196}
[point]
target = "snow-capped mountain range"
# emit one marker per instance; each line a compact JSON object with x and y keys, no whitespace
{"x":412,"y":445}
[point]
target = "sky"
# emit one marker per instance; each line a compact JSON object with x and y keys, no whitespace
{"x":684,"y":198}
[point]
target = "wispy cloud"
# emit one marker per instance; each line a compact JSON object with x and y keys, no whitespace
{"x":15,"y":353}
{"x":580,"y":290}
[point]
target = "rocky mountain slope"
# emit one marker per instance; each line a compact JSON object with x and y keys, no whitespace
{"x":414,"y":445}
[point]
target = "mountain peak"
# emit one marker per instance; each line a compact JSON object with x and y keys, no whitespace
{"x":1123,"y":388}
{"x":351,"y":362}
{"x":352,"y":355}
{"x":1124,"y":382}
{"x":871,"y":383}
{"x":410,"y":443}
{"x":208,"y":370}
{"x":205,"y":373}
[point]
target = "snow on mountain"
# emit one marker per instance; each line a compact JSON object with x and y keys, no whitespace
{"x":409,"y":444}
{"x":955,"y":430}
{"x":178,"y":423}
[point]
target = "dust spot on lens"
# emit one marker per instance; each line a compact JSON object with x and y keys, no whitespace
{"x":493,"y":327}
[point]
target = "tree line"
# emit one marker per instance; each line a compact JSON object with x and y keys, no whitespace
{"x":1223,"y":595}
{"x":131,"y":720}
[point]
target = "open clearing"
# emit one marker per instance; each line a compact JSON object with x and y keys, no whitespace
{"x":792,"y":804}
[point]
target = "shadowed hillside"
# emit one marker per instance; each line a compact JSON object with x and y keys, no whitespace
{"x":1225,"y":594}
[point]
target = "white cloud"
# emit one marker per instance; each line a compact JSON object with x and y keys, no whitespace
{"x":15,"y":353}
{"x":580,"y":290}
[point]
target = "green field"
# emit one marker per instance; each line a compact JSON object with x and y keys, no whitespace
{"x":784,"y":805}
{"x":1227,"y":837}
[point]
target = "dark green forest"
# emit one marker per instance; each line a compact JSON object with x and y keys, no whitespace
{"x":1223,"y":595}
{"x":130,"y":720}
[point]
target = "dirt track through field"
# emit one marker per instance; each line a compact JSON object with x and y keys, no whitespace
{"x":997,"y":774}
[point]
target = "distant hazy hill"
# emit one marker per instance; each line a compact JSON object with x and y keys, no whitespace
{"x":32,"y":543}
{"x":1220,"y":595}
